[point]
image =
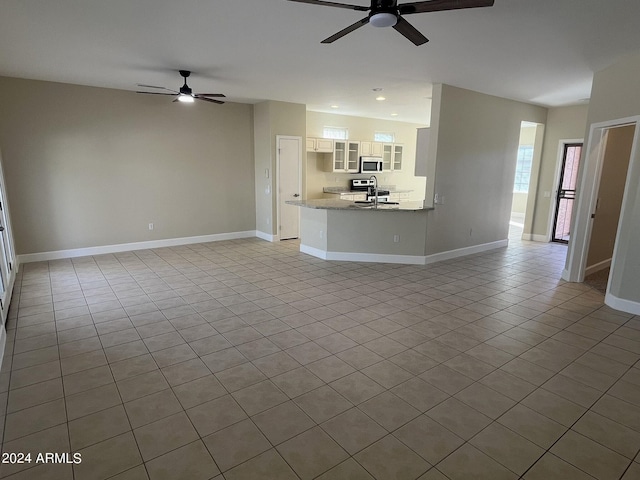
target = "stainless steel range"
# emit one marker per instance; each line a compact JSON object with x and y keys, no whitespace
{"x":367,"y":185}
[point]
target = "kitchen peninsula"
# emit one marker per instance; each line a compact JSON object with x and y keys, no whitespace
{"x":334,"y":229}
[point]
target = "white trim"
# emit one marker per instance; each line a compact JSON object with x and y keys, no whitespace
{"x":314,"y":252}
{"x":533,"y":237}
{"x":402,"y":259}
{"x":462,"y":252}
{"x":267,"y":236}
{"x":597,"y":267}
{"x":125,"y":247}
{"x":3,"y":342}
{"x":622,"y":304}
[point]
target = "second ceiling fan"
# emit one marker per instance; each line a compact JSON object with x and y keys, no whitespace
{"x":387,"y":13}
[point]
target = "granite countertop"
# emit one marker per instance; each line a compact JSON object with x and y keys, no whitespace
{"x":336,"y":204}
{"x":338,"y":190}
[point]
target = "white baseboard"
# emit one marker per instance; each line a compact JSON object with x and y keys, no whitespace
{"x":402,"y":259}
{"x":3,"y":343}
{"x":621,"y":304}
{"x":267,"y":236}
{"x":535,"y":237}
{"x":462,"y":252}
{"x":362,"y":257}
{"x":597,"y":267}
{"x":125,"y":247}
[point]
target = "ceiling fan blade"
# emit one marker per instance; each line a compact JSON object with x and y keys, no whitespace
{"x":347,"y":30}
{"x":208,"y":99}
{"x":334,"y":4}
{"x":153,"y":86}
{"x":158,"y":93}
{"x":440,"y":5}
{"x":211,"y":94}
{"x":410,"y":32}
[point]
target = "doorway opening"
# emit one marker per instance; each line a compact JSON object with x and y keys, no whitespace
{"x":525,"y":180}
{"x":618,"y":143}
{"x":566,"y":192}
{"x":621,"y":290}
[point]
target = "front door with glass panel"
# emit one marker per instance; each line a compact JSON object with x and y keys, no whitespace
{"x":566,"y":193}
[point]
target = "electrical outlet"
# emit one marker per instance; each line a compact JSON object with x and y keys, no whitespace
{"x":396,"y":238}
{"x":436,"y":198}
{"x":151,"y":226}
{"x":321,"y":233}
{"x":268,"y":220}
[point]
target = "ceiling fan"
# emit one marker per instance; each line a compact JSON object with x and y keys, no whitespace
{"x":387,"y":13}
{"x":185,"y":94}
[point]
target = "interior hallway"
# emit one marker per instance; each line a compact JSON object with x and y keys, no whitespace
{"x":248,"y":360}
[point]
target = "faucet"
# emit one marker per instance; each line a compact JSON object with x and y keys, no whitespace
{"x":375,"y":189}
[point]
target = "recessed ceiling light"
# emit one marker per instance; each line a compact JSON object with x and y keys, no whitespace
{"x":335,"y":106}
{"x":394,"y":114}
{"x":380,"y":98}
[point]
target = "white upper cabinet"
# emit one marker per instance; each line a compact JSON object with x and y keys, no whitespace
{"x":371,"y":149}
{"x":397,"y":157}
{"x":346,"y":157}
{"x":319,"y":145}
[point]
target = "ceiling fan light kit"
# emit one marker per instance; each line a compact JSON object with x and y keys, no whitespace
{"x":387,"y":13}
{"x":383,"y":20}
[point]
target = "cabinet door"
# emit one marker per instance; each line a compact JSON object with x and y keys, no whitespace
{"x":311,"y":144}
{"x":324,"y":145}
{"x":387,"y":157}
{"x":365,"y":149}
{"x":339,"y":156}
{"x":376,"y":149}
{"x":353,"y":156}
{"x":397,"y":157}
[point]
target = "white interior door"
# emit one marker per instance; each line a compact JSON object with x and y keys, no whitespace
{"x":289,"y":185}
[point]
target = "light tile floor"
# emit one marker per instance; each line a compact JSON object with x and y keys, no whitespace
{"x":248,"y":360}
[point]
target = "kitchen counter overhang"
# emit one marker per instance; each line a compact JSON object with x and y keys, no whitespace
{"x":346,"y":231}
{"x":336,"y":204}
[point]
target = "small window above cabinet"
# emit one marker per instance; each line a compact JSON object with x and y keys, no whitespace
{"x":345,"y":158}
{"x":320,"y":145}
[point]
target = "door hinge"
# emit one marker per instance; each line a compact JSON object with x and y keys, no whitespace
{"x":10,"y":266}
{"x":0,"y":205}
{"x":1,"y":305}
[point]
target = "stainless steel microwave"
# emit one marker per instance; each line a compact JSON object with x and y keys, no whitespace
{"x":370,"y":164}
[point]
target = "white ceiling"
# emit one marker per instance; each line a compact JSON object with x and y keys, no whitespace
{"x":537,"y":51}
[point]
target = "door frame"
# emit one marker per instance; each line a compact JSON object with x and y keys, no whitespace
{"x":556,"y":182}
{"x":587,"y":197}
{"x":278,"y":196}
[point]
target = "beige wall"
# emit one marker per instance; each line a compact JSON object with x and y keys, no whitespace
{"x":612,"y":180}
{"x":519,"y":203}
{"x":362,"y":129}
{"x":271,"y":119}
{"x":476,"y":146}
{"x":615,"y":96}
{"x":563,"y":123}
{"x":90,"y":166}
